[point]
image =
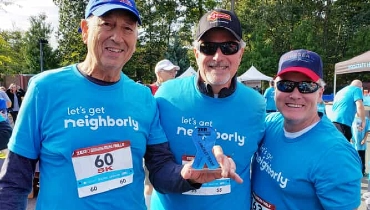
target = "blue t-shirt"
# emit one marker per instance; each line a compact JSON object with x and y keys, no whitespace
{"x":317,"y":170}
{"x":270,"y":98}
{"x":358,"y":136}
{"x":321,"y":108}
{"x":67,"y":112}
{"x":239,"y":123}
{"x":344,"y":105}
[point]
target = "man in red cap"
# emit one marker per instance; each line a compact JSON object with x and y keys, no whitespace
{"x":304,"y":162}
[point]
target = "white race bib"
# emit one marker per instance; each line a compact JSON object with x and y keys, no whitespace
{"x":102,"y":168}
{"x":215,"y":187}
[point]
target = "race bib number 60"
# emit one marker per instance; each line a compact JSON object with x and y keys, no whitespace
{"x":102,"y":168}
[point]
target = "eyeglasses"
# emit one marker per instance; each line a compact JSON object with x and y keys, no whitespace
{"x":304,"y":87}
{"x":227,"y":48}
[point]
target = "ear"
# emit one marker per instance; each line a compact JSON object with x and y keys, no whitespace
{"x":196,"y":53}
{"x":241,"y":53}
{"x":321,"y":92}
{"x":84,"y":30}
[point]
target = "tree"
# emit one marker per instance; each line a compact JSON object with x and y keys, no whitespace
{"x":71,"y":48}
{"x":39,"y":30}
{"x":11,"y":52}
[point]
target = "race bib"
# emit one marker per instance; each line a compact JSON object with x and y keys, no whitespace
{"x":102,"y":168}
{"x":259,"y":204}
{"x":215,"y":187}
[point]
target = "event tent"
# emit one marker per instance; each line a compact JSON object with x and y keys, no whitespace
{"x":253,"y":74}
{"x":189,"y":72}
{"x":359,"y":63}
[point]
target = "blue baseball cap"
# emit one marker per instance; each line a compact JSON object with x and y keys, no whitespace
{"x":303,"y":61}
{"x":100,"y":7}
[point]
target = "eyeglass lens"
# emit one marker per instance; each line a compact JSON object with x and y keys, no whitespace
{"x":288,"y":86}
{"x":227,"y":48}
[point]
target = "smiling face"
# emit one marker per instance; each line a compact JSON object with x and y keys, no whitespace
{"x":218,"y":69}
{"x":110,"y":39}
{"x":299,"y":110}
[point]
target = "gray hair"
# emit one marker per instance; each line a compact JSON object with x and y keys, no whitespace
{"x":322,"y":83}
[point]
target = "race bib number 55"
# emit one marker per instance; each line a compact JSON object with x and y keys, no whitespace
{"x":102,"y":168}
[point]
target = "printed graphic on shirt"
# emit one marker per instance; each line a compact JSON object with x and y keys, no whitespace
{"x":96,"y":117}
{"x":263,"y":158}
{"x":194,"y":122}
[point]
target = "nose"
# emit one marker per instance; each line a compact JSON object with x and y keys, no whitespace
{"x":218,"y":54}
{"x":117,"y":35}
{"x":295,"y":93}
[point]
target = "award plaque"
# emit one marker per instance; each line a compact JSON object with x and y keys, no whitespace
{"x":204,"y":139}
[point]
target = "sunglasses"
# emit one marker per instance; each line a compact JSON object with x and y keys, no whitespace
{"x":227,"y":48}
{"x":288,"y":86}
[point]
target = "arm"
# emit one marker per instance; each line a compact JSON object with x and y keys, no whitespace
{"x":164,"y":173}
{"x":16,"y":179}
{"x":7,"y":99}
{"x":361,"y":113}
{"x":5,"y":133}
{"x":364,"y":139}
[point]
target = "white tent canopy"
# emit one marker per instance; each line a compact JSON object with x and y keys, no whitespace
{"x":253,"y":74}
{"x":189,"y":72}
{"x":359,"y":63}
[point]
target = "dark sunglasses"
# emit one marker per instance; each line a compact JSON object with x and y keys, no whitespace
{"x":288,"y":86}
{"x":227,"y":48}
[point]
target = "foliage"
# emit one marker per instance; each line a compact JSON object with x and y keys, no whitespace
{"x":39,"y":30}
{"x":336,"y":29}
{"x":71,"y":48}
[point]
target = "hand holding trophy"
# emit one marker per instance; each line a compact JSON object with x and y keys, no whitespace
{"x":209,"y":163}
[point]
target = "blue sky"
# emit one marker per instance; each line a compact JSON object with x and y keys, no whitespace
{"x":17,"y":15}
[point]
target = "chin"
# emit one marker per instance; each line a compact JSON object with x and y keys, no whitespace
{"x":218,"y":81}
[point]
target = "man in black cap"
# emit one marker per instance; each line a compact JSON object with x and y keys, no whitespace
{"x":90,"y":146}
{"x":212,"y":100}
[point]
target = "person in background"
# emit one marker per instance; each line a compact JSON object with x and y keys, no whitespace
{"x":304,"y":162}
{"x":213,"y":99}
{"x":164,"y":70}
{"x":5,"y":133}
{"x":270,"y":97}
{"x":90,"y":150}
{"x":347,"y":103}
{"x":5,"y":96}
{"x":321,"y":107}
{"x":15,"y":94}
{"x":359,"y":138}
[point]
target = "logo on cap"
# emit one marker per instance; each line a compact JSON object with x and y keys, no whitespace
{"x":214,"y":16}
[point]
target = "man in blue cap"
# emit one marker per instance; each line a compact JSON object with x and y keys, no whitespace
{"x":90,"y":144}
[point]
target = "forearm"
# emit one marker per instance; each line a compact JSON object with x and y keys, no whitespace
{"x":16,"y":180}
{"x":360,"y":110}
{"x":164,"y":173}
